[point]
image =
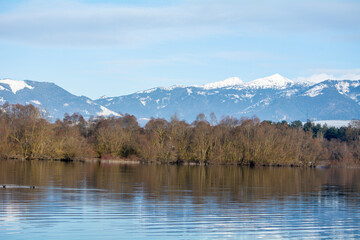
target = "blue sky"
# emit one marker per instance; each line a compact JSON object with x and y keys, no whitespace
{"x":113,"y":48}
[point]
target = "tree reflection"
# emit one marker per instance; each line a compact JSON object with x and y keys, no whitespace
{"x":157,"y":182}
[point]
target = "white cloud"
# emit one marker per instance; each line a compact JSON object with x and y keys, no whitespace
{"x":130,"y":63}
{"x":334,"y":74}
{"x":77,"y":23}
{"x":336,"y":71}
{"x":315,"y":78}
{"x":244,"y":55}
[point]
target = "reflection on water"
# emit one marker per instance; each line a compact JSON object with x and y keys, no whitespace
{"x":104,"y":201}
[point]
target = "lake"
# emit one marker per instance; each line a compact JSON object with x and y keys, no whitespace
{"x":114,"y":201}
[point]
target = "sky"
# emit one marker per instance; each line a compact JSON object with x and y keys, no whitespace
{"x":113,"y":48}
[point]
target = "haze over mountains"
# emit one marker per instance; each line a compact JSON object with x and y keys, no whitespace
{"x":273,"y":98}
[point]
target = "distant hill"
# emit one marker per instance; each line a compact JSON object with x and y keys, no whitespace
{"x":51,"y":99}
{"x":273,"y":98}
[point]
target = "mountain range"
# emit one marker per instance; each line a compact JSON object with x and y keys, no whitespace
{"x":51,"y":99}
{"x":274,"y":98}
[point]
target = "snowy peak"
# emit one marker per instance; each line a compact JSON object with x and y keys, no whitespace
{"x":105,"y":112}
{"x":233,"y":81}
{"x":15,"y":85}
{"x":273,"y":81}
{"x":52,"y":100}
{"x":274,"y":98}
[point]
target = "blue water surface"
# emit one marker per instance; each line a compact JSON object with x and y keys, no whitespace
{"x":112,"y":201}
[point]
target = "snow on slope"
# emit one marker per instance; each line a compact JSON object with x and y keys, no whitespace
{"x":334,"y":123}
{"x":15,"y":85}
{"x":342,"y":87}
{"x":273,"y":81}
{"x":233,"y":81}
{"x":313,"y":92}
{"x":106,"y":112}
{"x":36,"y":102}
{"x":170,"y":88}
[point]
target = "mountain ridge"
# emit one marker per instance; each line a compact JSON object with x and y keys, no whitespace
{"x":52,"y":100}
{"x":245,"y":100}
{"x":274,"y":98}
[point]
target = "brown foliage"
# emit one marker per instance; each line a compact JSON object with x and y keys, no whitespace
{"x":25,"y":134}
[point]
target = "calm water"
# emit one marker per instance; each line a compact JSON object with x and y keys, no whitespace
{"x":93,"y":201}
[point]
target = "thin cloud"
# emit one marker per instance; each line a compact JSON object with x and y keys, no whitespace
{"x":315,"y":78}
{"x":334,"y":74}
{"x":77,"y":23}
{"x":152,"y":61}
{"x":336,"y":71}
{"x":244,"y":56}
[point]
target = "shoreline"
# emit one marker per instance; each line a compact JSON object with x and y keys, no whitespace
{"x":320,"y":165}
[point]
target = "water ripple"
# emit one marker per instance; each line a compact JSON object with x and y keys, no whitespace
{"x":158,"y":209}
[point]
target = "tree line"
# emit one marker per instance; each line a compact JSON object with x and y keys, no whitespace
{"x":26,"y":134}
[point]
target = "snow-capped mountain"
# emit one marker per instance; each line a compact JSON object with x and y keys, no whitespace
{"x":273,"y":98}
{"x":274,"y":81}
{"x":51,"y":99}
{"x":234,"y":81}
